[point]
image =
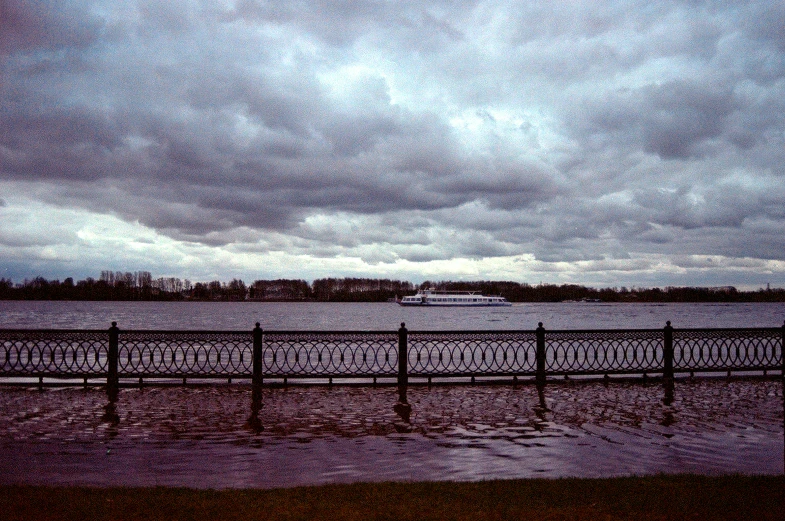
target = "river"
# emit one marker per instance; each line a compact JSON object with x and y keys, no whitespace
{"x":380,"y":316}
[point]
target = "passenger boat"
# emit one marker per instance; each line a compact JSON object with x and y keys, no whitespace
{"x":432,"y":297}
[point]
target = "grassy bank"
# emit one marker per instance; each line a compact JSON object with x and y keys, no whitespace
{"x":658,"y":497}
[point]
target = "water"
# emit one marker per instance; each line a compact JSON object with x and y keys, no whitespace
{"x":202,"y":436}
{"x":379,"y":316}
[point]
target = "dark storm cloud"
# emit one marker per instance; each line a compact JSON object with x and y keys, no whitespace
{"x":572,"y":131}
{"x":27,"y":25}
{"x":71,"y":144}
{"x":671,"y":120}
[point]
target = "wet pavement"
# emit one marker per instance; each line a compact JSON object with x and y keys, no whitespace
{"x":219,"y":436}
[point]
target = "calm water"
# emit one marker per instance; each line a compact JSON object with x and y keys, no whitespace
{"x":202,"y":436}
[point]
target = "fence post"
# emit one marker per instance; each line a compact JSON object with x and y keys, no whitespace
{"x":112,"y":380}
{"x":782,"y":355}
{"x":257,"y":355}
{"x":402,"y":408}
{"x":540,"y":355}
{"x":403,"y":344}
{"x":667,"y":354}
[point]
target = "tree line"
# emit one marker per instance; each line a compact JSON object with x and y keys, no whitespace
{"x":141,"y":285}
{"x":523,"y":292}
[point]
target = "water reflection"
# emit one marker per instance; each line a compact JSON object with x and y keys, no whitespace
{"x":223,"y":413}
{"x":111,"y":416}
{"x":668,"y":416}
{"x":541,"y":406}
{"x":541,"y":409}
{"x":669,"y":387}
{"x":566,"y":428}
{"x":404,"y":411}
{"x":254,"y":422}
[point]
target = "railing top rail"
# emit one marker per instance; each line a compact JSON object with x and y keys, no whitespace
{"x":390,"y":332}
{"x":470,"y":331}
{"x":324,"y":331}
{"x":726,"y":329}
{"x":184,"y":332}
{"x":383,"y":332}
{"x":660,"y":329}
{"x":208,"y":332}
{"x":51,"y":330}
{"x":599,"y":331}
{"x":331,"y":332}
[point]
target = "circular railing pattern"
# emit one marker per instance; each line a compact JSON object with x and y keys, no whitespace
{"x":53,"y":353}
{"x":84,"y":353}
{"x":711,"y":349}
{"x":472,"y":353}
{"x":184,"y":353}
{"x":603,"y":351}
{"x":330,"y":354}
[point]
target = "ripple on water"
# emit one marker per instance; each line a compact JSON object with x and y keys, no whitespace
{"x":202,"y":436}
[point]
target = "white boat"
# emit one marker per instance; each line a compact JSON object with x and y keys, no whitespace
{"x":433,"y":297}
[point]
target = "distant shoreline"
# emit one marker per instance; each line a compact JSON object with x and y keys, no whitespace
{"x":359,"y":301}
{"x":743,"y":298}
{"x":141,"y":286}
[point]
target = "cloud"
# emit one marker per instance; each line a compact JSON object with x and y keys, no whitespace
{"x":402,"y":134}
{"x":25,"y":25}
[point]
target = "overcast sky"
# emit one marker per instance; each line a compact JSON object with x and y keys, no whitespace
{"x":629,"y":143}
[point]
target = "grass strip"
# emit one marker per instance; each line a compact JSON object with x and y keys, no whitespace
{"x":639,"y":498}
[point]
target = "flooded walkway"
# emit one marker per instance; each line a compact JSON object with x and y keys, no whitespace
{"x":202,"y":436}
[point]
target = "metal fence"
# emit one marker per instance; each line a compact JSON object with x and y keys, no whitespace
{"x":260,"y":355}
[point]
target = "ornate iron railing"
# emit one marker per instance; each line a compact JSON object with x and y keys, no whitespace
{"x":53,"y":353}
{"x":329,"y":354}
{"x":258,"y":354}
{"x":472,"y":353}
{"x":727,"y":349}
{"x":594,"y":352}
{"x":185,"y":354}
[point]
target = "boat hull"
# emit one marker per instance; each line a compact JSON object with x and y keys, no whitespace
{"x":455,"y":304}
